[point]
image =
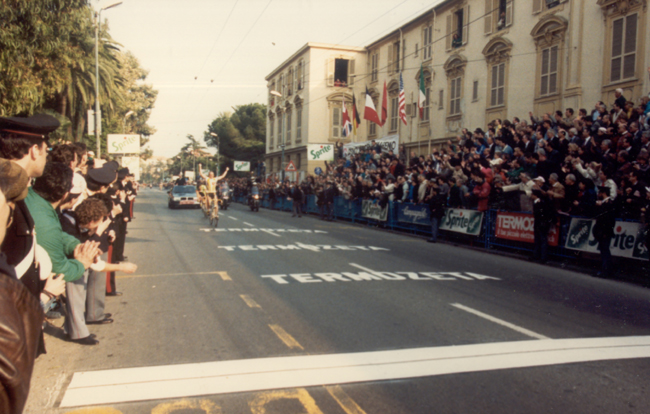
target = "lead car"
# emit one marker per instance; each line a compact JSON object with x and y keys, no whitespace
{"x":183,"y":196}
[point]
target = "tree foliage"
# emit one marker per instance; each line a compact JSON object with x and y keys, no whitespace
{"x":241,"y":135}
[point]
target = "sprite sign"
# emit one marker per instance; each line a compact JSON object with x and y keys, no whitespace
{"x":628,"y":240}
{"x":242,"y":166}
{"x":320,"y":152}
{"x":462,"y":221}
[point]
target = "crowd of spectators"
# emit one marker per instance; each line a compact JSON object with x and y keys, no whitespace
{"x":566,"y":155}
{"x":66,"y":218}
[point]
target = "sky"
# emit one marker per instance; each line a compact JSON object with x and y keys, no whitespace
{"x":207,"y":56}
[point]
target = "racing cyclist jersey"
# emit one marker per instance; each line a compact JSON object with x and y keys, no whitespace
{"x":212,"y":185}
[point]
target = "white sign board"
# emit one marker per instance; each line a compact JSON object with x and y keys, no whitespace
{"x":320,"y":152}
{"x":189,"y":174}
{"x":133,"y":164}
{"x":123,"y":143}
{"x":390,"y":142}
{"x":242,"y":166}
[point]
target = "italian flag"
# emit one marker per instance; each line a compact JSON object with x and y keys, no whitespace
{"x":422,"y":97}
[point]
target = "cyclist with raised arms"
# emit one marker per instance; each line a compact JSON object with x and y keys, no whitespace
{"x":211,"y":187}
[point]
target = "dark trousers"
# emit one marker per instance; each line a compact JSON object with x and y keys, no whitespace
{"x":110,"y":276}
{"x":120,"y":240}
{"x":606,"y":256}
{"x":435,"y":224}
{"x":540,"y":251}
{"x":297,"y":208}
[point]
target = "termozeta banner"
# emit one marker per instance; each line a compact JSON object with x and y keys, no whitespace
{"x":462,"y":221}
{"x":628,"y":240}
{"x":373,"y":210}
{"x":413,"y":213}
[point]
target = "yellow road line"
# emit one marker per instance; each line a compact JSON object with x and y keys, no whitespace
{"x":347,"y":404}
{"x":249,"y":301}
{"x":226,"y":277}
{"x":285,"y":337}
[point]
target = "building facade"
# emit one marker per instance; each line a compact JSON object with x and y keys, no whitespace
{"x":481,"y":60}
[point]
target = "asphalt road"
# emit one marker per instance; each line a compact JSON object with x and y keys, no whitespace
{"x":268,"y":286}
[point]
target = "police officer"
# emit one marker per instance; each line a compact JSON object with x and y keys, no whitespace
{"x":603,"y":230}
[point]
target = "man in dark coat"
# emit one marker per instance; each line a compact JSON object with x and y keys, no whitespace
{"x":603,"y":230}
{"x":437,"y":204}
{"x":544,"y":215}
{"x":296,"y":197}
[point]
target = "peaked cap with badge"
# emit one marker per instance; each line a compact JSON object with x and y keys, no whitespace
{"x":35,"y":126}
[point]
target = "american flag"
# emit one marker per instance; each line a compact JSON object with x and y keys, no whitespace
{"x":402,"y":100}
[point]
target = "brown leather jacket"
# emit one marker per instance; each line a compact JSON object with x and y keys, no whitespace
{"x":21,"y":319}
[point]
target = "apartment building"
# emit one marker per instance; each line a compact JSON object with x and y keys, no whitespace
{"x":480,"y":60}
{"x":312,"y":84}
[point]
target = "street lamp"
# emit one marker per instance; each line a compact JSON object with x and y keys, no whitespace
{"x":279,"y":95}
{"x":97,"y":117}
{"x":128,"y":114}
{"x":217,"y":137}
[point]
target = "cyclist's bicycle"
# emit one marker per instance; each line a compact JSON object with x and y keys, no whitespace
{"x":212,"y":211}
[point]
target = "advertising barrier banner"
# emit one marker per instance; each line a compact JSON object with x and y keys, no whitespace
{"x":390,"y":142}
{"x":520,"y":227}
{"x":123,"y":143}
{"x":242,"y":165}
{"x":462,"y":221}
{"x":374,"y":211}
{"x":628,"y":240}
{"x":320,"y":152}
{"x":414,"y":214}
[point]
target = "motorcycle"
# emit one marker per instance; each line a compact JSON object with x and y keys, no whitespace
{"x":225,"y":198}
{"x":254,"y":199}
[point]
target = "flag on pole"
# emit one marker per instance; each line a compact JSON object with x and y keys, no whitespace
{"x":402,"y":100}
{"x":370,"y":113}
{"x":355,"y":115}
{"x":347,"y":125}
{"x":384,"y":106}
{"x":422,"y":94}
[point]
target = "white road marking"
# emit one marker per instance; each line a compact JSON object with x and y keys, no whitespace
{"x":210,"y":378}
{"x":248,"y":224}
{"x":500,"y":322}
{"x":231,"y":217}
{"x":270,"y":232}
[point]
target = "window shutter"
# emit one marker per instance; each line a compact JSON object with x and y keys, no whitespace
{"x":390,"y":59}
{"x":465,"y":24}
{"x":336,"y":122}
{"x":509,"y":11}
{"x":629,"y":61}
{"x":537,"y":6}
{"x":329,"y":72}
{"x":403,"y":54}
{"x":295,"y":80}
{"x":449,"y":31}
{"x":351,"y":72}
{"x":441,"y":98}
{"x":488,"y":17}
{"x":475,"y":91}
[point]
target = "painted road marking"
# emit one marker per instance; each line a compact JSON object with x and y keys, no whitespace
{"x":210,"y":378}
{"x":301,"y":246}
{"x":225,"y":276}
{"x":248,"y":224}
{"x":232,"y":218}
{"x":249,"y":301}
{"x":270,"y":232}
{"x":285,"y":337}
{"x":258,"y":405}
{"x":125,"y":276}
{"x":372,"y":275}
{"x":500,"y":322}
{"x":347,"y":404}
{"x":247,"y":230}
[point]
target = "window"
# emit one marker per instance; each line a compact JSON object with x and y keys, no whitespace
{"x":497,"y":89}
{"x":374,"y":66}
{"x":457,"y":28}
{"x":393,"y":58}
{"x":340,"y":72}
{"x":475,"y":92}
{"x":441,"y":99}
{"x":300,"y":76}
{"x":272,"y":97}
{"x":548,"y":84}
{"x":394,"y":118}
{"x":624,"y":34}
{"x":427,"y":41}
{"x":336,"y":122}
{"x":283,"y":90}
{"x":271,"y":132}
{"x":543,"y":5}
{"x":288,"y":127}
{"x":298,"y":159}
{"x":280,"y":128}
{"x":416,"y":51}
{"x":290,"y":81}
{"x":299,"y":124}
{"x":372,"y":129}
{"x":498,"y":15}
{"x":426,"y":110}
{"x":455,"y":92}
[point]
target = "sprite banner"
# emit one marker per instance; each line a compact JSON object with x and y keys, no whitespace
{"x":628,"y":240}
{"x":388,"y":143}
{"x":413,"y":213}
{"x":373,"y":211}
{"x":462,"y":221}
{"x":242,"y":166}
{"x":123,"y":143}
{"x":320,"y":152}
